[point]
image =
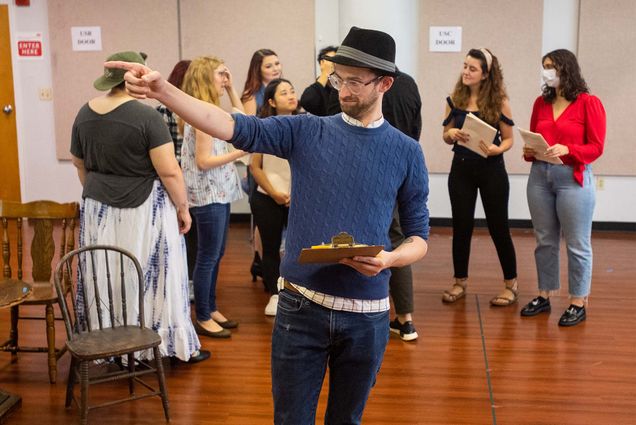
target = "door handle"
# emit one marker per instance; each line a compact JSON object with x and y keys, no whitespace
{"x":7,"y":109}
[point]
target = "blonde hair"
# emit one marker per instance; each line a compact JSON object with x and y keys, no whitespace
{"x":199,"y":79}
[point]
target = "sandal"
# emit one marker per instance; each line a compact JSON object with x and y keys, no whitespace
{"x":450,"y":297}
{"x":502,"y":300}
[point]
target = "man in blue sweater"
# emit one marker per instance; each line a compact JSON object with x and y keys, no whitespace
{"x":348,"y":170}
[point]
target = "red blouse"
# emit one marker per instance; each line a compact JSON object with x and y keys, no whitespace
{"x":580,"y":127}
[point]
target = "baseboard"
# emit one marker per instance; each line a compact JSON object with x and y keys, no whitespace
{"x":613,"y":226}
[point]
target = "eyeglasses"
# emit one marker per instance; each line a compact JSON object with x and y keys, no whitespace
{"x":354,"y":86}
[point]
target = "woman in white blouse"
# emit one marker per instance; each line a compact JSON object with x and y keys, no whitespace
{"x":213,"y":183}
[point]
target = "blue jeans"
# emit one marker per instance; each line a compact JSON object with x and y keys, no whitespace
{"x":212,"y":222}
{"x":306,"y":338}
{"x":557,"y":203}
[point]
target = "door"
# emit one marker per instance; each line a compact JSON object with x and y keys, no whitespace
{"x":9,"y":166}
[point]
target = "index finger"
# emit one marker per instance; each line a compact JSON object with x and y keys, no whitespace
{"x":135,"y":68}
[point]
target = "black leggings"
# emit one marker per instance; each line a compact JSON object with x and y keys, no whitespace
{"x":271,"y":219}
{"x":489,"y":177}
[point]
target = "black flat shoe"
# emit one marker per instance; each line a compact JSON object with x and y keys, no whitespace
{"x":223,"y":333}
{"x":536,"y":306}
{"x":572,"y":316}
{"x":228,"y":324}
{"x":199,"y":357}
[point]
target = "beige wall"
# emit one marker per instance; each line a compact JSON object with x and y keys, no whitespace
{"x":513,"y":34}
{"x":231,"y":30}
{"x":607,"y":52}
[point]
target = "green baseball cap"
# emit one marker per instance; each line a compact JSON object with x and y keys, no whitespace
{"x":114,"y":76}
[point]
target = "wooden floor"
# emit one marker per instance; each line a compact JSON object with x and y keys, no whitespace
{"x":473,"y":364}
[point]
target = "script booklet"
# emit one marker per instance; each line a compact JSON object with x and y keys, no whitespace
{"x":538,"y":144}
{"x":341,"y":246}
{"x":477,"y":130}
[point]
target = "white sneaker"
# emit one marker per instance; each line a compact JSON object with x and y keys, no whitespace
{"x":272,"y":306}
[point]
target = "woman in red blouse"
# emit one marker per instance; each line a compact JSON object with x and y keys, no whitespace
{"x":561,"y":197}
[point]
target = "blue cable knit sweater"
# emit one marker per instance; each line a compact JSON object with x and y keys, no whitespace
{"x":344,"y":179}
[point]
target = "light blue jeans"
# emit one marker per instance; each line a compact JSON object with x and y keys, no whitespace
{"x":557,"y":203}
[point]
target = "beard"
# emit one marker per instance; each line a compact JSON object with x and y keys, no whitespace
{"x":357,"y":108}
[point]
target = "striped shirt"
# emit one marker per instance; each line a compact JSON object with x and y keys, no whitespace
{"x":218,"y":185}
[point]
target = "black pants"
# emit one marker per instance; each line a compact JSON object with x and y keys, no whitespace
{"x":489,"y":177}
{"x":401,"y":283}
{"x":271,"y":219}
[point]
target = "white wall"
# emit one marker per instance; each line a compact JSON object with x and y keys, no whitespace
{"x":616,"y":196}
{"x":44,"y":177}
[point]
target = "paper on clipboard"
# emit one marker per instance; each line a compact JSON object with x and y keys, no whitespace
{"x":538,"y":144}
{"x":477,"y":130}
{"x":333,"y":255}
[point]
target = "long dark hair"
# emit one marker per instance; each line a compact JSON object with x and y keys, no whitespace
{"x":492,"y":91}
{"x":268,"y":110}
{"x":254,"y":80}
{"x":571,"y":82}
{"x":176,"y":76}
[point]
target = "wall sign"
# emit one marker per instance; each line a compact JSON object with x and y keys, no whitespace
{"x":29,"y":45}
{"x":445,"y":39}
{"x":86,"y":39}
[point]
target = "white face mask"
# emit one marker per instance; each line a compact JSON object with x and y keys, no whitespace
{"x":550,"y":77}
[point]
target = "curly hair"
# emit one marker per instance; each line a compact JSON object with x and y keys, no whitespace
{"x":492,"y":91}
{"x":254,"y":79}
{"x":198,"y":80}
{"x":268,"y":110}
{"x":571,"y":82}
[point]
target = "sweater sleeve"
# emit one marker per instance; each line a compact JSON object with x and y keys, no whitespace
{"x":413,"y":198}
{"x":595,"y":127}
{"x":273,"y":135}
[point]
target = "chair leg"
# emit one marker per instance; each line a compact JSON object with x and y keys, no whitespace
{"x":50,"y":342}
{"x":131,"y":370}
{"x":72,"y":373}
{"x":83,"y":366}
{"x":162,"y":383}
{"x":13,"y":334}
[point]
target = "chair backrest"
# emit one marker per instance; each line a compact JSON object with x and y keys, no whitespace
{"x":43,"y":215}
{"x":107,"y":289}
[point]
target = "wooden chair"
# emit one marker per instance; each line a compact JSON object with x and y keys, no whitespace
{"x":103,"y":323}
{"x":43,"y":215}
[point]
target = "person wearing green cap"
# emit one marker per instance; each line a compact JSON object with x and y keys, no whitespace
{"x":134,"y":197}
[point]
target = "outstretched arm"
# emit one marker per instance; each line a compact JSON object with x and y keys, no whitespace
{"x":142,"y":82}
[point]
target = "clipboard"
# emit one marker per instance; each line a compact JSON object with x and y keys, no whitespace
{"x":333,"y":255}
{"x":477,"y":130}
{"x":342,"y":246}
{"x":538,"y":143}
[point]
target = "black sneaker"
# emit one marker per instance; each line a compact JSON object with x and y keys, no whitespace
{"x":406,"y":330}
{"x":572,"y":316}
{"x":536,"y":306}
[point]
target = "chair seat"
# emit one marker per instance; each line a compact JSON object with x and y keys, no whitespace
{"x":99,"y":344}
{"x":42,"y":293}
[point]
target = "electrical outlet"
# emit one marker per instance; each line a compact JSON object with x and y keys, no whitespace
{"x":46,"y":93}
{"x":600,"y":183}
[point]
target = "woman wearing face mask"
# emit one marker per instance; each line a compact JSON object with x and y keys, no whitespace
{"x":213,"y":183}
{"x":561,"y":197}
{"x":270,"y":202}
{"x":480,"y":90}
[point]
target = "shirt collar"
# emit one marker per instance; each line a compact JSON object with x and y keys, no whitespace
{"x":354,"y":122}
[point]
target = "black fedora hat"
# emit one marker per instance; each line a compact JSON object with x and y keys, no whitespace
{"x":366,"y":48}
